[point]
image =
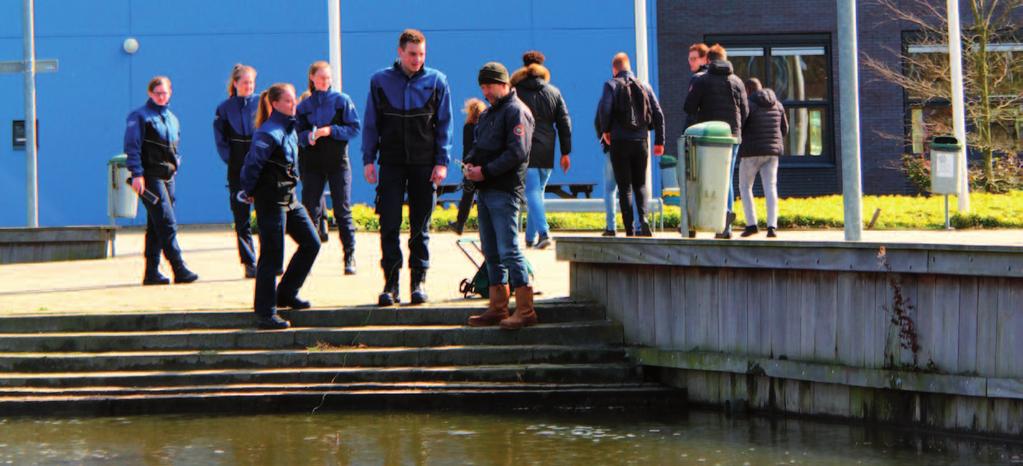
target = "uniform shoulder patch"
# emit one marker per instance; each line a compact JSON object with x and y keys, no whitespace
{"x":519,"y":129}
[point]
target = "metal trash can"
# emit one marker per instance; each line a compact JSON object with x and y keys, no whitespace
{"x":945,"y":164}
{"x":704,"y":175}
{"x":122,"y":202}
{"x":669,"y":179}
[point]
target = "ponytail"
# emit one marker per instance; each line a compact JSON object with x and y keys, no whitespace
{"x":267,"y":98}
{"x":236,"y":73}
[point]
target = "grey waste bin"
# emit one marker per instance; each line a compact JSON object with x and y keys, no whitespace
{"x":704,"y":175}
{"x":122,"y":202}
{"x":945,"y":164}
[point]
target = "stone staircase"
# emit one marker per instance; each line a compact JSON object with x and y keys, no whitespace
{"x":338,"y":358}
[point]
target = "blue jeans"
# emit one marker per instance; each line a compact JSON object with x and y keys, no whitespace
{"x":161,"y":225}
{"x":274,"y":221}
{"x":611,"y":196}
{"x":498,"y":213}
{"x":313,"y":182}
{"x":536,"y":220}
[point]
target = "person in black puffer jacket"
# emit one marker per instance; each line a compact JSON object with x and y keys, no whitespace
{"x":763,"y":141}
{"x":719,"y":95}
{"x":532,"y":84}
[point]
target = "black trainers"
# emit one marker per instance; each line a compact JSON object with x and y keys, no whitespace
{"x":543,"y":242}
{"x":771,"y":233}
{"x":390,"y":296}
{"x":644,"y":230}
{"x":183,"y":275}
{"x":272,"y":322}
{"x":349,"y":263}
{"x":250,"y":271}
{"x":750,"y":231}
{"x":155,"y":278}
{"x":295,"y":303}
{"x":608,"y":233}
{"x":416,"y":285}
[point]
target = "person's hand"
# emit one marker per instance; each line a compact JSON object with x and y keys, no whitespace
{"x":659,"y":150}
{"x":370,"y":172}
{"x":243,"y":198}
{"x":566,"y":163}
{"x":606,"y":137}
{"x":473,"y":172}
{"x":439,"y":173}
{"x":322,"y":132}
{"x":138,"y":184}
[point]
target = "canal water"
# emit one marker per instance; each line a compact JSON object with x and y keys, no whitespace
{"x":580,"y":437}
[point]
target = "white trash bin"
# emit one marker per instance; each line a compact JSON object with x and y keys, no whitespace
{"x":122,"y":202}
{"x":704,"y":175}
{"x":945,"y":164}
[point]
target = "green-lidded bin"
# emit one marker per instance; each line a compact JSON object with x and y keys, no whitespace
{"x":946,"y":153}
{"x":122,"y":202}
{"x":669,"y":179}
{"x":706,"y":168}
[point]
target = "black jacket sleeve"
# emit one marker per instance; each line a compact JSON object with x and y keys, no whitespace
{"x":564,"y":124}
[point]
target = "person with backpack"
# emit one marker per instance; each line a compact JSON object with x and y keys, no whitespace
{"x":532,"y":84}
{"x":719,"y":95}
{"x":627,"y":111}
{"x":763,"y":141}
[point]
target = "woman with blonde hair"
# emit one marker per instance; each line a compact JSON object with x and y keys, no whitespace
{"x":326,"y":120}
{"x":268,"y":180}
{"x":472,"y":110}
{"x":232,"y":132}
{"x":151,"y":144}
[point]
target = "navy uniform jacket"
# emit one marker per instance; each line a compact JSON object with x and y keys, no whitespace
{"x":269,"y":173}
{"x":326,"y":109}
{"x":232,"y":130}
{"x":408,"y":118}
{"x":151,"y":141}
{"x":606,"y":113}
{"x":504,"y":136}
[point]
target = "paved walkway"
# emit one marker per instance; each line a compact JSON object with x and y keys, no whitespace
{"x":112,"y":285}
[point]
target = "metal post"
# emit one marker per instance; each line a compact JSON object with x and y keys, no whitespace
{"x":955,"y":59}
{"x":849,"y":106}
{"x":31,"y":176}
{"x":643,"y":74}
{"x":334,"y":30}
{"x":948,"y":225}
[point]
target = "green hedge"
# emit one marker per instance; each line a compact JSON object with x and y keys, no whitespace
{"x":897,"y":212}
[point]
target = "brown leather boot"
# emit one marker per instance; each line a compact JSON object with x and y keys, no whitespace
{"x":525,"y":313}
{"x":497,"y":310}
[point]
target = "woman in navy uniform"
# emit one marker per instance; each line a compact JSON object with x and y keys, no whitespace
{"x":268,"y":180}
{"x":151,"y":143}
{"x":232,"y":131}
{"x":326,"y":120}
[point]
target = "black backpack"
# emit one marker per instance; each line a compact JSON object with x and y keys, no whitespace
{"x":632,"y":105}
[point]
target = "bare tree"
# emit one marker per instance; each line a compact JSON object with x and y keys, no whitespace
{"x":992,"y":72}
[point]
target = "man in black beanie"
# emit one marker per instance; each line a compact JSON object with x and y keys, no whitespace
{"x":497,"y":164}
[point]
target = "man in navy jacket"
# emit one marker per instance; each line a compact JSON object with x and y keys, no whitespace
{"x":408,"y":124}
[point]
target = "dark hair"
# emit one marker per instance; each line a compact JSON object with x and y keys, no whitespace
{"x":717,"y":52}
{"x":700,"y":49}
{"x":156,"y":81}
{"x":533,"y":56}
{"x":236,"y":74}
{"x":621,"y":61}
{"x":752,"y":85}
{"x":269,"y":96}
{"x":414,"y":36}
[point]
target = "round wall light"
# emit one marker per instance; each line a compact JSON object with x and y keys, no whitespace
{"x":131,"y":45}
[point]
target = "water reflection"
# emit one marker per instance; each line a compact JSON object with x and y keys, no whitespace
{"x":391,"y":438}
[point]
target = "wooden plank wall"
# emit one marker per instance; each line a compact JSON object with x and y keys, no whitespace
{"x":965,"y":325}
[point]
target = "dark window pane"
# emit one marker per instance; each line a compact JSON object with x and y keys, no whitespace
{"x":807,"y":127}
{"x":747,"y":62}
{"x":800,"y":73}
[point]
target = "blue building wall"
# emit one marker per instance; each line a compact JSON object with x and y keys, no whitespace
{"x":81,"y":108}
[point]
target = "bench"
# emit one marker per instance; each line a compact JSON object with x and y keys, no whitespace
{"x":570,"y":190}
{"x":654,"y":205}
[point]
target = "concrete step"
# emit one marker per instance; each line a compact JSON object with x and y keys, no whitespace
{"x":299,"y":358}
{"x":299,"y":397}
{"x":92,"y":383}
{"x":572,"y":333}
{"x":551,"y":311}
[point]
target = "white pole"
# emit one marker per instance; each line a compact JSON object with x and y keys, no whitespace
{"x":849,"y":105}
{"x":955,"y":58}
{"x":31,"y":176}
{"x":334,"y":30}
{"x":643,"y":73}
